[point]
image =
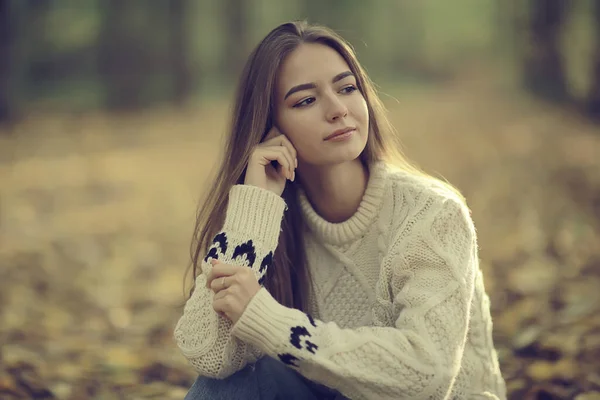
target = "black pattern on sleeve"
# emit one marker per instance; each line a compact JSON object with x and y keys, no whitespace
{"x":246,"y":252}
{"x":288,"y":359}
{"x":219,"y":246}
{"x":245,"y":249}
{"x":266,"y":262}
{"x":264,"y":266}
{"x":299,"y":339}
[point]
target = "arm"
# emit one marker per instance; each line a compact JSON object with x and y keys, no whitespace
{"x":419,"y":357}
{"x":249,"y":237}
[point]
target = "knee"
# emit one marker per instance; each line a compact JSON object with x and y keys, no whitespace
{"x":201,"y":389}
{"x":241,"y":385}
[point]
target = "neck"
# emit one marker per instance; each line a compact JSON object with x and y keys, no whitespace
{"x":335,"y":191}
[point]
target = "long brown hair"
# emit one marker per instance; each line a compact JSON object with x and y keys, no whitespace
{"x":288,"y":279}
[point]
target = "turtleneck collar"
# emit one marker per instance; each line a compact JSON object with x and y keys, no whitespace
{"x":351,"y":229}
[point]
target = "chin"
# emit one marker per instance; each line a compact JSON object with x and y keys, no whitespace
{"x":354,"y":150}
{"x":343,"y":155}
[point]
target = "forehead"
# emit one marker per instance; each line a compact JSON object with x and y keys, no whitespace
{"x":310,"y":62}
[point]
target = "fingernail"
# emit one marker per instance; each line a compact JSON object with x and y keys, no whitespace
{"x":296,"y":162}
{"x":293,"y":176}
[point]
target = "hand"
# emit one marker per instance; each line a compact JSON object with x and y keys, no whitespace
{"x":261,"y":172}
{"x":234,"y":287}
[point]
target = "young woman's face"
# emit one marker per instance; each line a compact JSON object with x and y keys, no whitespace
{"x":317,"y":96}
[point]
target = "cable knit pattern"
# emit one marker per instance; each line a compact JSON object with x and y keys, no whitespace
{"x":399,"y":309}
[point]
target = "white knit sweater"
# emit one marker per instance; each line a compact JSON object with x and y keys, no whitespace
{"x":399,"y":309}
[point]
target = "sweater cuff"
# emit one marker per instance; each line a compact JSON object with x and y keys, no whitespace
{"x":264,"y":323}
{"x":256,"y":213}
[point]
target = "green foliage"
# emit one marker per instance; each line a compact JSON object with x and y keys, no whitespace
{"x":578,"y":45}
{"x":402,"y":41}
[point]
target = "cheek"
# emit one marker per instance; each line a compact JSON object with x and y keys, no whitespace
{"x":301,"y":130}
{"x":361,"y":112}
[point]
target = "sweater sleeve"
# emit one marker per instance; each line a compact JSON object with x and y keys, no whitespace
{"x":248,"y":238}
{"x":417,"y":358}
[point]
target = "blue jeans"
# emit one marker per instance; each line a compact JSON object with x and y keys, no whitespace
{"x":267,"y":379}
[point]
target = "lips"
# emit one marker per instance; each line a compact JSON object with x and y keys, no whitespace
{"x":339,"y":132}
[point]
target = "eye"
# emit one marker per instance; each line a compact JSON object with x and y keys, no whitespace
{"x":348,"y":89}
{"x":305,"y":102}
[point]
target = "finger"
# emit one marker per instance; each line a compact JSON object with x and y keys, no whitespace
{"x":290,"y":160}
{"x":275,"y":153}
{"x":218,"y":304}
{"x":209,"y":276}
{"x":273,"y":133}
{"x":220,"y":270}
{"x":292,"y":150}
{"x":220,"y":295}
{"x":282,"y":140}
{"x":223,"y":302}
{"x":223,"y":283}
{"x":217,"y":285}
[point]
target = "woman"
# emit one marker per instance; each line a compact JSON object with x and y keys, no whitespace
{"x":331,"y":273}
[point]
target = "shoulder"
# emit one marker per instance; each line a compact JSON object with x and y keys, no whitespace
{"x":435,"y":234}
{"x":421,"y":193}
{"x":426,"y":204}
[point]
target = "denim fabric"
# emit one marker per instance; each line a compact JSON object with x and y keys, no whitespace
{"x":267,"y":379}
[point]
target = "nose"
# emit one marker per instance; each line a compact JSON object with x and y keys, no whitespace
{"x":336,"y":109}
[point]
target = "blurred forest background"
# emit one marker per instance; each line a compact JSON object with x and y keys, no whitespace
{"x":112,"y":114}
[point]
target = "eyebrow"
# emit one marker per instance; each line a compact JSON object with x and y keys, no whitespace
{"x":306,"y":86}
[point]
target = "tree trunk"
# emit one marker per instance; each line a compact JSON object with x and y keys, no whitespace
{"x":182,"y":80}
{"x":6,"y":58}
{"x":593,"y":101}
{"x":544,"y":73}
{"x":237,"y":32}
{"x":346,"y":17}
{"x":119,"y":58}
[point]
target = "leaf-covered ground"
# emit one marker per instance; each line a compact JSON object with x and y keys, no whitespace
{"x":96,"y":215}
